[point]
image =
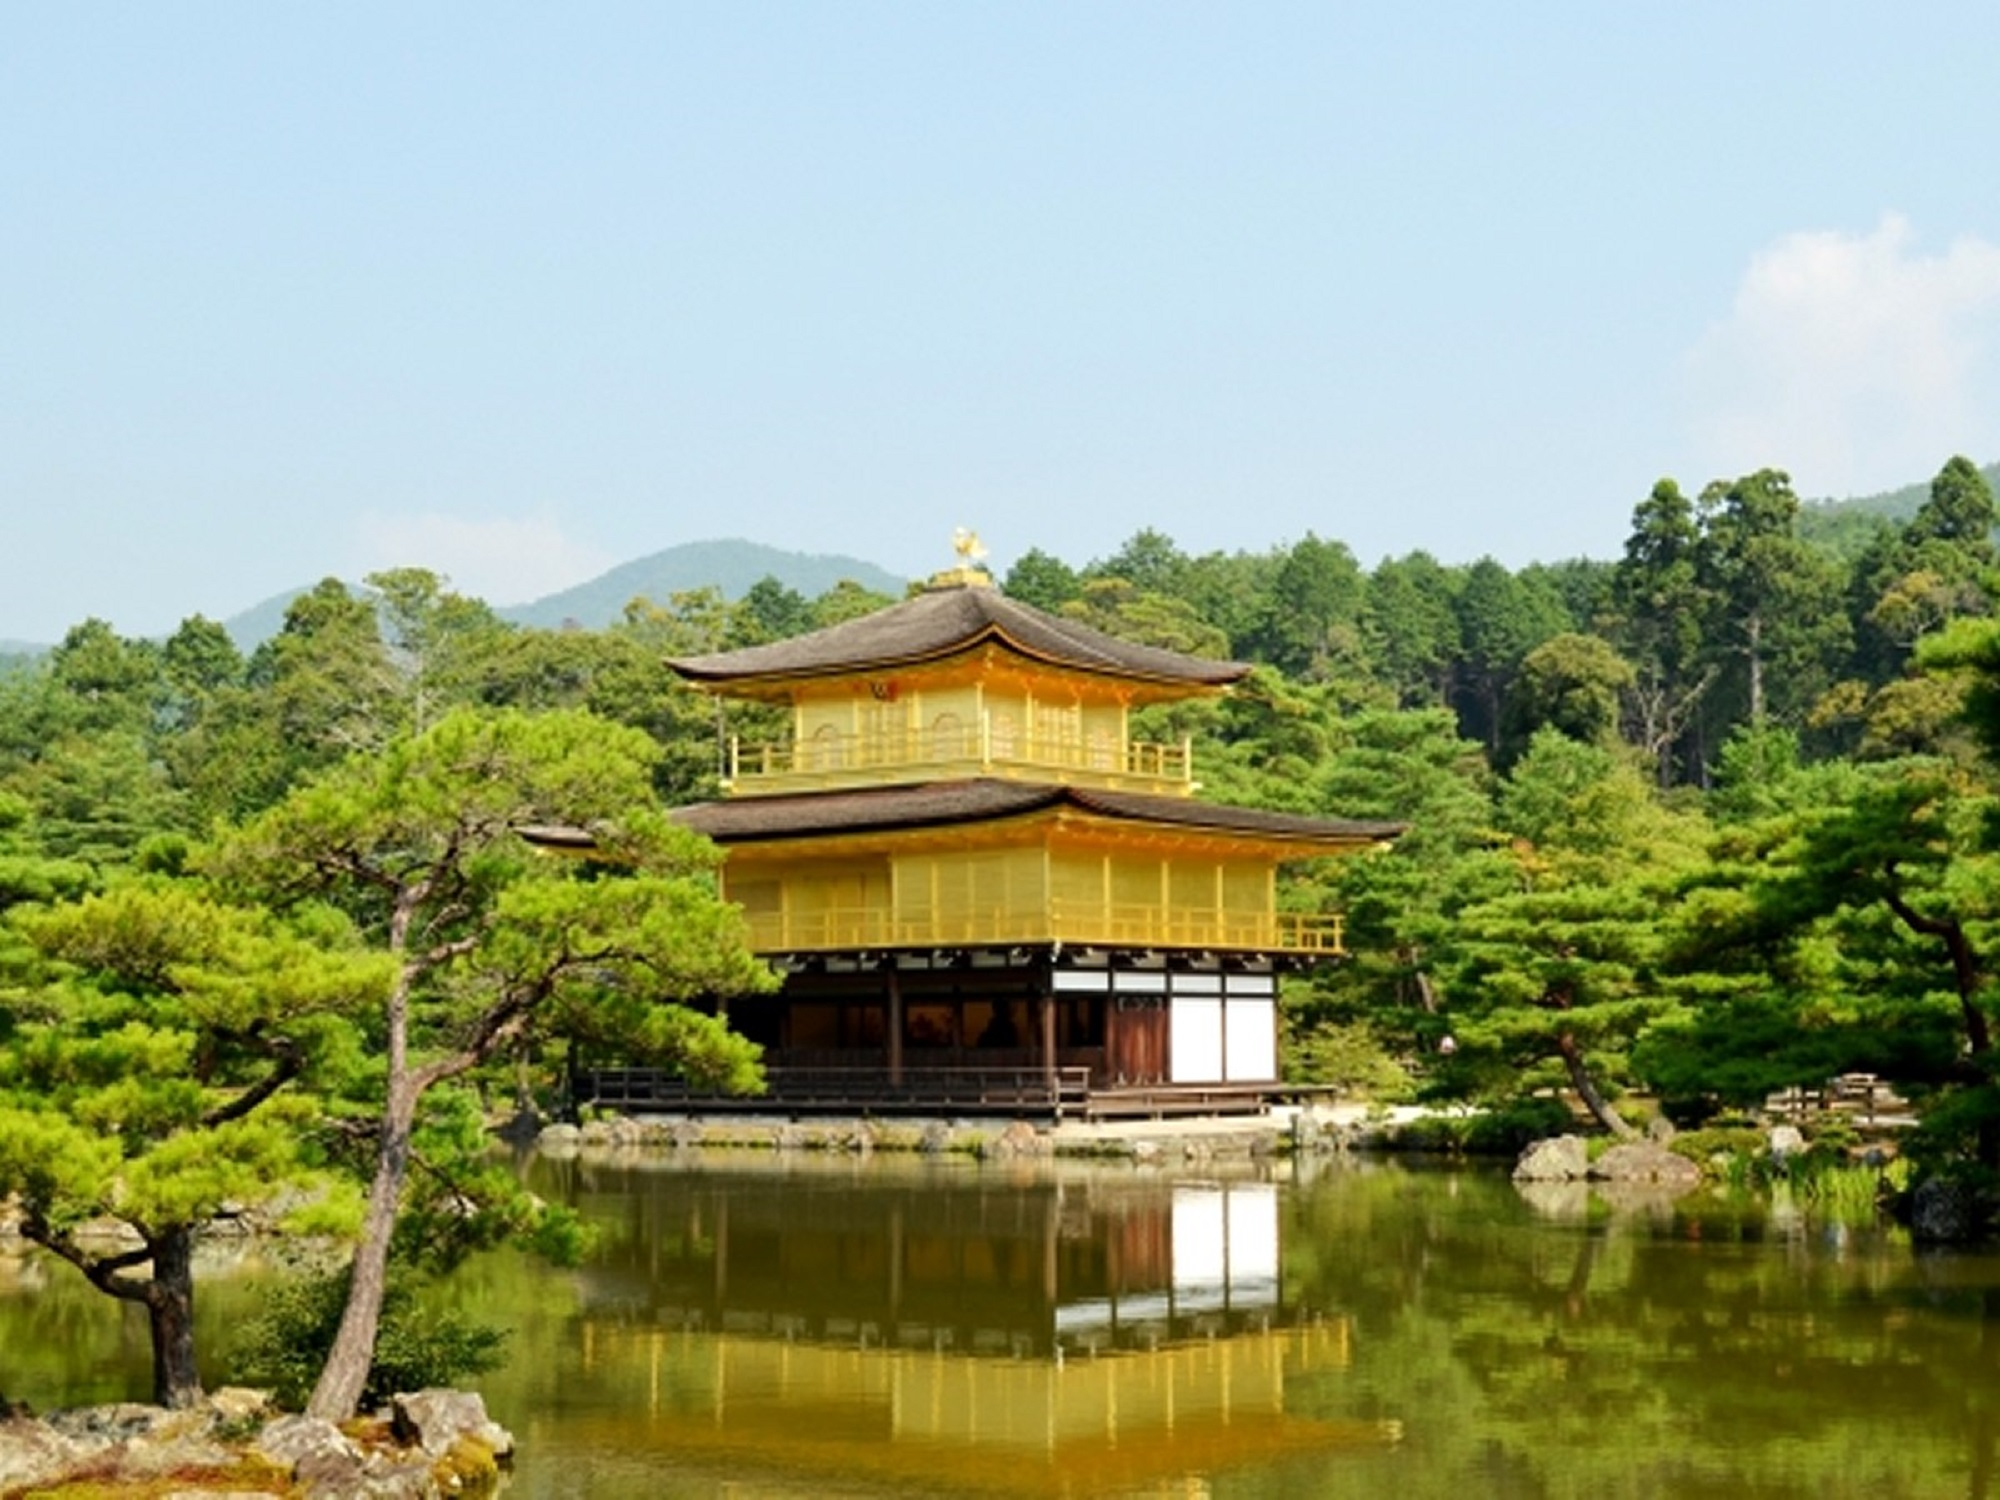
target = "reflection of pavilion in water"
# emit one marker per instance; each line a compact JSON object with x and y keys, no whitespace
{"x":1056,"y":1337}
{"x":1053,"y":1268}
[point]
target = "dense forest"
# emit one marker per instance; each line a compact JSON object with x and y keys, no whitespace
{"x":1715,"y":818}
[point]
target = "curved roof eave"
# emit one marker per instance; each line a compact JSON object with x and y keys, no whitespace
{"x":882,"y":810}
{"x":691,"y":669}
{"x":943,"y":623}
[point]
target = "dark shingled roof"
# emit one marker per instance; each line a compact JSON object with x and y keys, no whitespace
{"x":882,"y":809}
{"x":943,"y":621}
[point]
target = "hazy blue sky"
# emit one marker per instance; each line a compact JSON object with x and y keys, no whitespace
{"x":517,"y":292}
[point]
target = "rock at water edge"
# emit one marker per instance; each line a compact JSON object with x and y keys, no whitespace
{"x":1562,"y":1158}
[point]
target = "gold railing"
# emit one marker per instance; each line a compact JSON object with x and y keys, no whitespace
{"x":1128,"y":926}
{"x":826,"y":761}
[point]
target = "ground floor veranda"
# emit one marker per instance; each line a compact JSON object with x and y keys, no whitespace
{"x":1004,"y":1031}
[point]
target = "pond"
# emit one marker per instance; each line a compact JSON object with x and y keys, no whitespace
{"x":795,"y":1327}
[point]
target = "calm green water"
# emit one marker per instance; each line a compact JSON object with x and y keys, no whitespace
{"x":835,"y":1329}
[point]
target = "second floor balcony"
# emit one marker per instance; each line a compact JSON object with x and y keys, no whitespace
{"x":1078,"y":923}
{"x":954,"y":748}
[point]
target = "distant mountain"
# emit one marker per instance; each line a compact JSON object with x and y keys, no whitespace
{"x":260,"y":622}
{"x":1845,"y":525}
{"x":735,"y":567}
{"x":18,"y":656}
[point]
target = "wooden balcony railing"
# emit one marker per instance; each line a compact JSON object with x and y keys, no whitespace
{"x":863,"y":1088}
{"x":827,"y":761}
{"x":1113,"y":925}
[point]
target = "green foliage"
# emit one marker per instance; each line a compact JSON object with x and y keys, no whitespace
{"x":1149,"y":561}
{"x":1555,"y":978}
{"x":1738,"y":1048}
{"x":1510,"y":1129}
{"x":463,"y":1198}
{"x":1401,"y":903}
{"x":1775,"y":625}
{"x":1411,"y":630}
{"x":494,"y":946}
{"x":1571,"y":683}
{"x":846,"y":600}
{"x":1117,"y":606}
{"x":1314,"y":625}
{"x":155,"y":1058}
{"x":1501,"y":618}
{"x":1951,"y":1138}
{"x":1503,"y":1131}
{"x":1040,"y":579}
{"x":1728,"y":662}
{"x":1350,"y":1057}
{"x":770,"y":612}
{"x":425,"y":837}
{"x":419,"y":1346}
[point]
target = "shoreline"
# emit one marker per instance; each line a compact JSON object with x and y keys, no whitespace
{"x":1288,"y":1130}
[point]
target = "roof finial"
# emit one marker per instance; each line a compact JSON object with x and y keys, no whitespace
{"x":971,"y":569}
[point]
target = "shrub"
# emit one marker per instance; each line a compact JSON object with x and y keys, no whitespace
{"x":1506,"y":1130}
{"x":1736,"y":1142}
{"x":415,"y":1347}
{"x":1350,"y":1058}
{"x":1512,"y":1128}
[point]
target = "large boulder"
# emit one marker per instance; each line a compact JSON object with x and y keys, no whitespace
{"x":1562,"y":1158}
{"x":235,"y":1406}
{"x":936,"y":1138}
{"x":1944,"y":1211}
{"x":687,"y":1135}
{"x":33,"y":1454}
{"x":1786,"y":1142}
{"x":1019,"y":1139}
{"x":1643,"y":1161}
{"x":435,"y":1420}
{"x":316,"y":1453}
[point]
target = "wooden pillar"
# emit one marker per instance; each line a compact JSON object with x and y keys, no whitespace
{"x":1045,"y":1003}
{"x":895,"y":1021}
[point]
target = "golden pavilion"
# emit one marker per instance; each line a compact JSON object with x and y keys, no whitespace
{"x":981,"y":889}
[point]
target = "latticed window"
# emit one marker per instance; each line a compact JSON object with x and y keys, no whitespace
{"x":826,"y":750}
{"x":947,"y":736}
{"x":1005,"y":731}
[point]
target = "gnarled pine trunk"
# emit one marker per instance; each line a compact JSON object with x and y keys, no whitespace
{"x":1586,"y":1089}
{"x":169,"y":1299}
{"x":337,"y":1394}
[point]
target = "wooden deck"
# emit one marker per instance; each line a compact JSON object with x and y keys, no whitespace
{"x":1020,"y":1093}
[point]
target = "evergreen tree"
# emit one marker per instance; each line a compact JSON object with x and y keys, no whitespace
{"x":1660,"y":608}
{"x":1313,"y":625}
{"x":1500,"y":620}
{"x":1775,"y":625}
{"x":1561,"y":969}
{"x":1043,"y":580}
{"x":1402,"y":903}
{"x":151,"y":1058}
{"x":492,"y":944}
{"x":1411,"y":631}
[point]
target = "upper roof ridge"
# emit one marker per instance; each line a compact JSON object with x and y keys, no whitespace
{"x":943,"y":620}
